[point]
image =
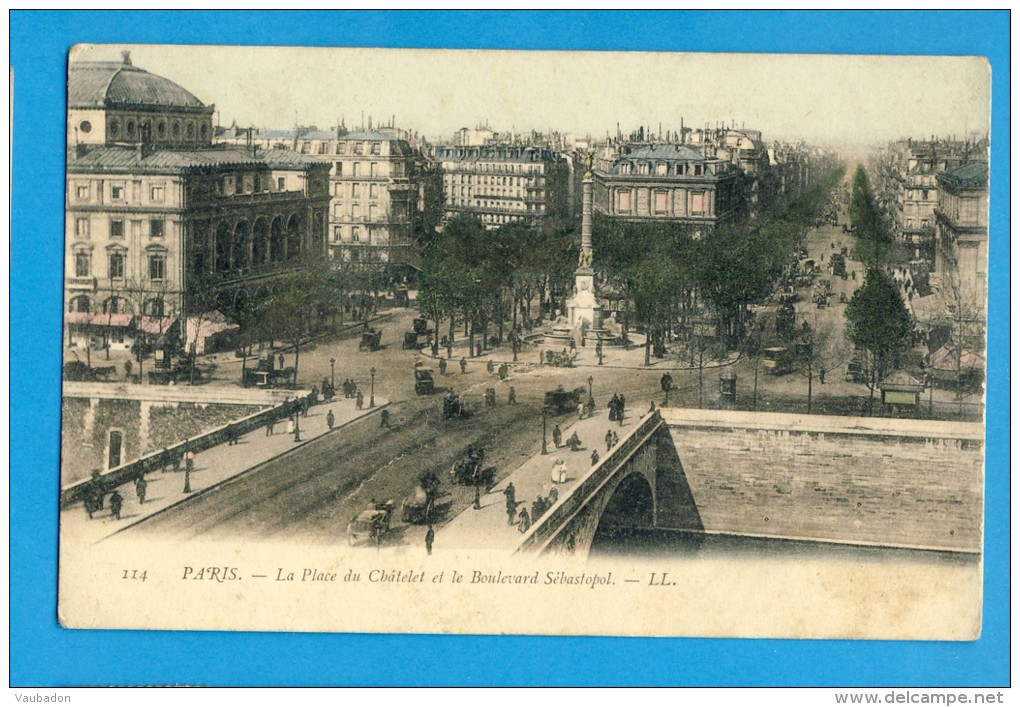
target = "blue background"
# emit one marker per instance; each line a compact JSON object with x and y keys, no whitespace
{"x":43,"y":654}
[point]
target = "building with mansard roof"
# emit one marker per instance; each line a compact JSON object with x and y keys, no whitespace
{"x":961,"y":239}
{"x":379,"y":187}
{"x":661,"y":182}
{"x":502,"y":184}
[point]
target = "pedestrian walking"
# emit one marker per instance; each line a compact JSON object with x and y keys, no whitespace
{"x":511,"y":503}
{"x":511,"y":398}
{"x":490,"y":367}
{"x":360,"y":400}
{"x":270,"y":425}
{"x":330,"y":419}
{"x":430,"y":536}
{"x":821,"y":375}
{"x":281,"y":361}
{"x":523,"y":521}
{"x":621,"y":410}
{"x":574,"y":442}
{"x":164,"y":459}
{"x":463,"y":365}
{"x":140,"y":487}
{"x":580,"y":411}
{"x":511,"y":494}
{"x":557,"y":436}
{"x":616,"y":439}
{"x":303,"y":403}
{"x":384,"y":419}
{"x":116,"y":503}
{"x":594,"y":457}
{"x":442,"y":366}
{"x":609,"y":440}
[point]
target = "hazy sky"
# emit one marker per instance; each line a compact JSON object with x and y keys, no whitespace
{"x":823,"y":99}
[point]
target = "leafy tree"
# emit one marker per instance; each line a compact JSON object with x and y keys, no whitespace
{"x":874,"y":241}
{"x":878,"y":323}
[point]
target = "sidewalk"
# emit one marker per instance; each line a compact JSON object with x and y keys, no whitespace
{"x":487,"y":529}
{"x":212,"y":467}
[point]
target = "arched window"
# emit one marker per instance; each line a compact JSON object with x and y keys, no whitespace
{"x":155,"y":307}
{"x":116,"y":305}
{"x":176,"y":130}
{"x":114,"y":126}
{"x":81,"y":303}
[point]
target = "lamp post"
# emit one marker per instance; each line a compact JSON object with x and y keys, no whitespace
{"x":591,"y":398}
{"x":371,"y":396}
{"x":545,"y":441}
{"x":332,"y":372}
{"x":297,"y":424}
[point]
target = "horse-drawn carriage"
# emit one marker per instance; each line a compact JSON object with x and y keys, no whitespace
{"x":561,"y":400}
{"x":470,"y":470}
{"x":370,"y":340}
{"x":371,"y":523}
{"x":453,"y":407}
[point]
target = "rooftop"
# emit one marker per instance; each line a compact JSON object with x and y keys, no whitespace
{"x":106,"y":84}
{"x":130,"y":159}
{"x":972,"y":174}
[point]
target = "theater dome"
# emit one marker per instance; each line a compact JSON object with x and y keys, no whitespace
{"x":110,"y":84}
{"x":117,"y":103}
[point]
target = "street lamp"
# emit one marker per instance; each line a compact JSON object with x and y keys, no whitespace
{"x":545,"y":441}
{"x":297,"y":424}
{"x":332,"y":372}
{"x":591,"y":398}
{"x":371,"y":397}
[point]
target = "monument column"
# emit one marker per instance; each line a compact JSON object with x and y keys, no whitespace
{"x":584,"y":305}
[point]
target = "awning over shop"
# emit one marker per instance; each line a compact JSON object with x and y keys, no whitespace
{"x":945,"y":359}
{"x":156,"y":325}
{"x":203,"y":328}
{"x":100,"y":320}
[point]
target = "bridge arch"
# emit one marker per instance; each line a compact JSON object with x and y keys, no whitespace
{"x":631,"y":504}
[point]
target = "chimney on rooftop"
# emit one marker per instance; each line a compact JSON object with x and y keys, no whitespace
{"x":127,"y":57}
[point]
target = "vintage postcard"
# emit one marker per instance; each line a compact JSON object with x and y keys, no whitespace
{"x":506,"y":342}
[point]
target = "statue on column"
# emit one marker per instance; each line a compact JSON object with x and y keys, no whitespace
{"x":589,"y":162}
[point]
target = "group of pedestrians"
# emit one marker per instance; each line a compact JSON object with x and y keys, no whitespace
{"x":617,"y":408}
{"x":523,"y":519}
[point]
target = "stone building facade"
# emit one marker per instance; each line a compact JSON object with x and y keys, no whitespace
{"x":379,"y":185}
{"x":667,"y":183}
{"x":961,"y":239}
{"x":502,"y":184}
{"x":157,"y":229}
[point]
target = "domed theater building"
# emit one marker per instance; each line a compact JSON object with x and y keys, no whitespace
{"x":161,"y":223}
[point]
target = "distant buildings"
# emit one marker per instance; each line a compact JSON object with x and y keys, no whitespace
{"x":907,"y":188}
{"x":699,"y":178}
{"x":502,"y":184}
{"x":662,"y":182}
{"x":961,"y":239}
{"x":161,"y":223}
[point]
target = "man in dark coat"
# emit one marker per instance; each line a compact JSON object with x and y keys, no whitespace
{"x":140,"y":486}
{"x":430,"y":537}
{"x":116,"y":503}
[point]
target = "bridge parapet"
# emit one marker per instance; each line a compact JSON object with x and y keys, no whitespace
{"x":554,"y":522}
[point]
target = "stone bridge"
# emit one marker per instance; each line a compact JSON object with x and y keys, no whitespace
{"x":860,"y":481}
